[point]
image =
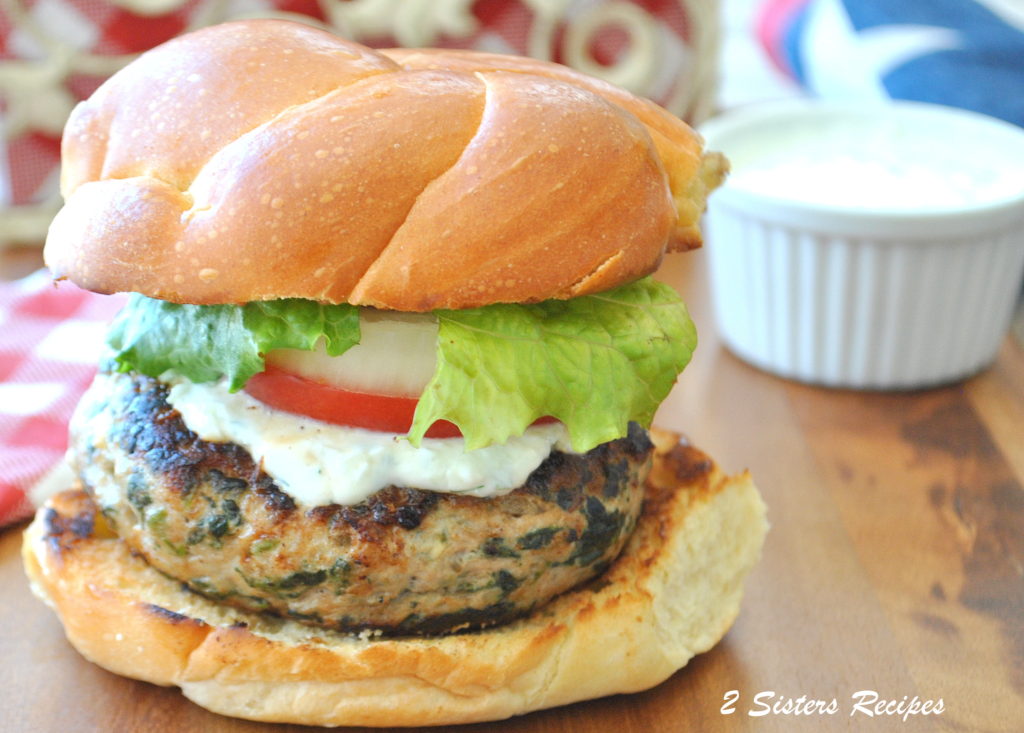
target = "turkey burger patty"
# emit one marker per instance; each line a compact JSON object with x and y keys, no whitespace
{"x":402,"y":561}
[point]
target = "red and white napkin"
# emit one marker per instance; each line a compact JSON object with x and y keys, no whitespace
{"x":50,"y":341}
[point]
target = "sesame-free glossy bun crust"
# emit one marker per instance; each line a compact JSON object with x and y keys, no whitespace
{"x":267,"y":159}
{"x":673,"y":593}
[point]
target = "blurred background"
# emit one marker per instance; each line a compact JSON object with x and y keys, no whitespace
{"x":696,"y":57}
{"x":692,"y":56}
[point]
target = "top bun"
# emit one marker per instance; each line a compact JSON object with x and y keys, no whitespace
{"x":267,"y":159}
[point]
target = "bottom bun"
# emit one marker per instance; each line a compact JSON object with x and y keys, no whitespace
{"x":673,"y":593}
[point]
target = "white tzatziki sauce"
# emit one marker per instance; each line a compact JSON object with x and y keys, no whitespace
{"x":317,"y":463}
{"x":883,"y":164}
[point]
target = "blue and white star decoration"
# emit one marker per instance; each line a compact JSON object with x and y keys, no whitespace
{"x":962,"y":53}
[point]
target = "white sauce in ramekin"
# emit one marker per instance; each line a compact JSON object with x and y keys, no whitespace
{"x":883,"y":162}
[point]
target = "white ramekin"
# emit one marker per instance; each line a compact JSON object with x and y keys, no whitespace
{"x":864,"y":298}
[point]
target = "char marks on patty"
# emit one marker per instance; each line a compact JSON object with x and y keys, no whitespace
{"x":404,"y":561}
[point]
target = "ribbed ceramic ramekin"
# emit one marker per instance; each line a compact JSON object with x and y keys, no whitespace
{"x":865,"y":296}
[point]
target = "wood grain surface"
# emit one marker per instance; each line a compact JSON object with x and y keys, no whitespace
{"x":895,"y":564}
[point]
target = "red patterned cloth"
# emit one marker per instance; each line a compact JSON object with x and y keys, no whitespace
{"x":50,"y":341}
{"x":55,"y":52}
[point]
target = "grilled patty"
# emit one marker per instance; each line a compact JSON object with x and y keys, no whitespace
{"x":405,"y":561}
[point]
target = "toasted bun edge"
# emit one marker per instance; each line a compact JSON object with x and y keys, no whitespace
{"x":673,"y":593}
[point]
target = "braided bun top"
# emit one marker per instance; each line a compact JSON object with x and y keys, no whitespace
{"x":266,"y":159}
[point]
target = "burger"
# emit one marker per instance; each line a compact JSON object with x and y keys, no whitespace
{"x":371,"y":443}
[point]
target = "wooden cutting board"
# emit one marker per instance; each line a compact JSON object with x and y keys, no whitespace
{"x":895,"y":566}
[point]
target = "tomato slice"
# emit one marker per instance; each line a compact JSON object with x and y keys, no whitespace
{"x":301,"y":396}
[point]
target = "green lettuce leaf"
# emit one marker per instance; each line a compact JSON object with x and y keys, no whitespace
{"x":595,"y":362}
{"x":207,"y":342}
